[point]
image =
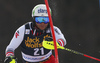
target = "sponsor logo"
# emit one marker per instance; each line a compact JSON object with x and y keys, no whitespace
{"x":17,"y":34}
{"x":56,"y":31}
{"x":38,"y":58}
{"x":34,"y":58}
{"x":27,"y":31}
{"x":35,"y":42}
{"x":42,"y":11}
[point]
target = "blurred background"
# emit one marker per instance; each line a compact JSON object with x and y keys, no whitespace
{"x":79,"y":21}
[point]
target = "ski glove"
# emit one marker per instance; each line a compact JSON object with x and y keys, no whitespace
{"x":10,"y":59}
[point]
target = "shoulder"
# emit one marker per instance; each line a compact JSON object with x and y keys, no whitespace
{"x":28,"y":23}
{"x":22,"y":28}
{"x":55,"y":27}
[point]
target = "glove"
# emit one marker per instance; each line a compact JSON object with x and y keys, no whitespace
{"x":10,"y":59}
{"x":49,"y":39}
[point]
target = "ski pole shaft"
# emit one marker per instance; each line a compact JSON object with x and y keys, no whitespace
{"x":76,"y":52}
{"x":50,"y":45}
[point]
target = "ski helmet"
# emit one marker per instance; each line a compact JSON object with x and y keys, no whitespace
{"x":40,"y":10}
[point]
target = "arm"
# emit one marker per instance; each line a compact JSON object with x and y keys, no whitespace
{"x":59,"y":36}
{"x":16,"y":41}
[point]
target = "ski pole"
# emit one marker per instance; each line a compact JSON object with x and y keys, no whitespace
{"x":50,"y":45}
{"x":52,"y":29}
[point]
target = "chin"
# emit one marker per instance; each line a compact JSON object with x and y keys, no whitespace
{"x":42,"y":29}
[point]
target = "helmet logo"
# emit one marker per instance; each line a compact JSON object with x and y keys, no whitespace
{"x":42,"y":11}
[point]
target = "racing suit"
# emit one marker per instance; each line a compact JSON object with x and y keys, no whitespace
{"x":30,"y":39}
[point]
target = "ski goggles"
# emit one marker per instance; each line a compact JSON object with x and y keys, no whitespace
{"x":42,"y":20}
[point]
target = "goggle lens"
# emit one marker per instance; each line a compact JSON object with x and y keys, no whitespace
{"x":42,"y":19}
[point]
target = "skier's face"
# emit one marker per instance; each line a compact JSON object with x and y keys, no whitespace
{"x":42,"y":25}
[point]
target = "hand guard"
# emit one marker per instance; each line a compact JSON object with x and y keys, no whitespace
{"x":49,"y":39}
{"x":10,"y":59}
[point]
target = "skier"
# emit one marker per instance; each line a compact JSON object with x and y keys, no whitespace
{"x":30,"y":37}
